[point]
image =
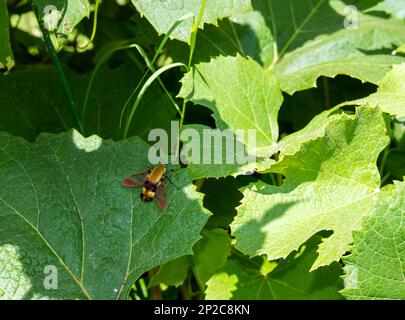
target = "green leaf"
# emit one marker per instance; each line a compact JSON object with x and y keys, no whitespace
{"x":242,"y":96}
{"x":290,"y":144}
{"x":401,"y":49}
{"x":61,"y":16}
{"x":357,"y":65}
{"x":210,"y":253}
{"x":295,"y":22}
{"x":342,"y":52}
{"x":331,"y":182}
{"x":163,"y":14}
{"x":221,"y":197}
{"x":376,"y":267}
{"x":172,"y":273}
{"x":395,"y":8}
{"x":75,"y":215}
{"x":390,"y":95}
{"x":207,"y":165}
{"x":291,"y":279}
{"x":246,"y":34}
{"x":6,"y":54}
{"x":32,"y":111}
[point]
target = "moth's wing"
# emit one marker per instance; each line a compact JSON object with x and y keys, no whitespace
{"x":160,"y":194}
{"x":135,"y":180}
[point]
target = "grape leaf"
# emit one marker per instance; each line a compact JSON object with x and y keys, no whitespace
{"x":290,"y":279}
{"x":401,"y":49}
{"x":172,"y":273}
{"x":223,"y":211}
{"x":209,"y":253}
{"x":6,"y":54}
{"x":390,"y":95}
{"x":76,"y":216}
{"x":395,"y":8}
{"x":246,"y":34}
{"x":356,"y":65}
{"x":211,"y":160}
{"x":34,"y":110}
{"x":61,"y":16}
{"x":376,"y":267}
{"x":291,"y":143}
{"x":342,"y":52}
{"x":331,"y":183}
{"x":164,"y":14}
{"x":242,"y":96}
{"x":294,"y":22}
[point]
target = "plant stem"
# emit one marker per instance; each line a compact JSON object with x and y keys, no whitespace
{"x":59,"y":70}
{"x":193,"y":39}
{"x":147,"y":84}
{"x":326,"y":92}
{"x":93,"y":34}
{"x":155,"y":292}
{"x":194,"y":31}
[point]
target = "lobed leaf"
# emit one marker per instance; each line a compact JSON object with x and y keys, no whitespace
{"x":344,"y":49}
{"x":163,"y":14}
{"x":76,"y":216}
{"x":331,"y":183}
{"x":61,"y":16}
{"x":376,"y":267}
{"x":290,"y":279}
{"x":243,"y":96}
{"x":390,"y":95}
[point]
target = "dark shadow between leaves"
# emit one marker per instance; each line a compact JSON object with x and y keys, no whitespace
{"x":292,"y":278}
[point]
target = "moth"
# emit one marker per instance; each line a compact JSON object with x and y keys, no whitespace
{"x":153,"y":183}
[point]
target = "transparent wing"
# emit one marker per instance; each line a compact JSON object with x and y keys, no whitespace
{"x":135,"y":180}
{"x":160,"y":194}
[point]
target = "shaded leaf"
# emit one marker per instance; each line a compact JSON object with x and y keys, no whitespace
{"x":395,"y":8}
{"x":291,"y":279}
{"x":396,"y":164}
{"x":246,"y":34}
{"x":6,"y":54}
{"x":390,"y":95}
{"x":62,"y":16}
{"x":210,"y":253}
{"x":163,"y":14}
{"x":75,"y":215}
{"x":342,"y":52}
{"x":172,"y":273}
{"x":42,"y":106}
{"x":295,"y":22}
{"x":354,"y":65}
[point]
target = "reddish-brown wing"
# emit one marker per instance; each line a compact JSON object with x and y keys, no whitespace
{"x":160,"y":194}
{"x":135,"y":180}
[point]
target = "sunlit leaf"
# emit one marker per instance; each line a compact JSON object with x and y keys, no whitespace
{"x":76,"y":218}
{"x":376,"y":269}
